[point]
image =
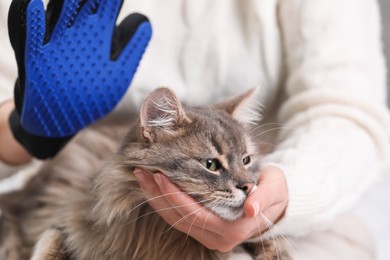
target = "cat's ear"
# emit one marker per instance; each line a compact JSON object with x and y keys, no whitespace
{"x":244,"y":108}
{"x":161,"y":114}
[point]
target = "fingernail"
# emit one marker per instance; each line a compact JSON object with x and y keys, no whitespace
{"x":139,"y":174}
{"x":256,"y":208}
{"x":253,"y":190}
{"x":158,"y":179}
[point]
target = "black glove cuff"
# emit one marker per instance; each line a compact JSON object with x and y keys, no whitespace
{"x":38,"y":146}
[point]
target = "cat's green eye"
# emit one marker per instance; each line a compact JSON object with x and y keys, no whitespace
{"x":246,"y":160}
{"x":211,"y":164}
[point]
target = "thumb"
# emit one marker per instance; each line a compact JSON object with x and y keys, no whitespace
{"x":252,"y":205}
{"x":268,"y":192}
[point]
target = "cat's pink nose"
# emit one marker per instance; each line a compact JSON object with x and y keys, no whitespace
{"x":247,"y":187}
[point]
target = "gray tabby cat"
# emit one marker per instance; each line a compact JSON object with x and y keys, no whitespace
{"x":76,"y":208}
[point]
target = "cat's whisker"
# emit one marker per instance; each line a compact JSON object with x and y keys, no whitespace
{"x":205,"y":206}
{"x":279,"y":235}
{"x":164,"y":195}
{"x":260,"y":235}
{"x":261,"y":129}
{"x":263,"y":126}
{"x":164,"y":209}
{"x":209,"y":212}
{"x":270,"y":130}
{"x":192,"y":223}
{"x":253,"y":129}
{"x":262,"y":143}
{"x":183,"y":218}
{"x":205,"y":221}
{"x":270,"y":224}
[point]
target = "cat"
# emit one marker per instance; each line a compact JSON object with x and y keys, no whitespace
{"x":87,"y":204}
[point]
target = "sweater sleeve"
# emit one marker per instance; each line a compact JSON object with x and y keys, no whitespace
{"x":8,"y":68}
{"x":335,"y":120}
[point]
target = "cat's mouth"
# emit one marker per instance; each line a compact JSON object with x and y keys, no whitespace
{"x":229,"y":210}
{"x":227,"y":206}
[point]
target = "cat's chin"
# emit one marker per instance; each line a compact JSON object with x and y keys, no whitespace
{"x":229,"y":213}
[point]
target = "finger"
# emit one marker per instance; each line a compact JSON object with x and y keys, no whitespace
{"x":187,"y":215}
{"x":186,"y":206}
{"x":180,"y":198}
{"x":146,"y":181}
{"x":271,"y":190}
{"x":183,"y":206}
{"x":274,"y":187}
{"x":158,"y":201}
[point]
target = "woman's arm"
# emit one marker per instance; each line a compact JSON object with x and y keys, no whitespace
{"x":335,"y":137}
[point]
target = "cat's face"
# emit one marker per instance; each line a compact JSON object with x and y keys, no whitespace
{"x":217,"y":161}
{"x":205,"y":151}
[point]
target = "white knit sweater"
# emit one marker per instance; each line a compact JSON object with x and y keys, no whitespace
{"x":321,"y":68}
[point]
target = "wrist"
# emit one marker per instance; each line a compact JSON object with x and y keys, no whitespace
{"x":38,"y":146}
{"x":11,"y":151}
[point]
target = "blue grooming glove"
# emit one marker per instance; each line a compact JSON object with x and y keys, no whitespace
{"x":74,"y":66}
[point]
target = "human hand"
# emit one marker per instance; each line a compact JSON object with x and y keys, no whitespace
{"x":74,"y":65}
{"x":268,"y":201}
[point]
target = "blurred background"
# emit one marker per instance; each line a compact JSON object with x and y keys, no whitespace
{"x":385,"y":9}
{"x":375,"y":207}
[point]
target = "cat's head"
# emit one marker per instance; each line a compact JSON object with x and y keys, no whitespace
{"x":206,"y":151}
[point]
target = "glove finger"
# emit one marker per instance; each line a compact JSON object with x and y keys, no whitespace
{"x":125,"y":31}
{"x":88,"y":8}
{"x":17,"y":24}
{"x":109,"y":10}
{"x":26,"y":27}
{"x":135,"y":48}
{"x":35,"y":27}
{"x":61,"y":15}
{"x":26,"y":19}
{"x":52,"y":15}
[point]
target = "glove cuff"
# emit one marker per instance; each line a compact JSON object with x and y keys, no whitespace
{"x":38,"y":146}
